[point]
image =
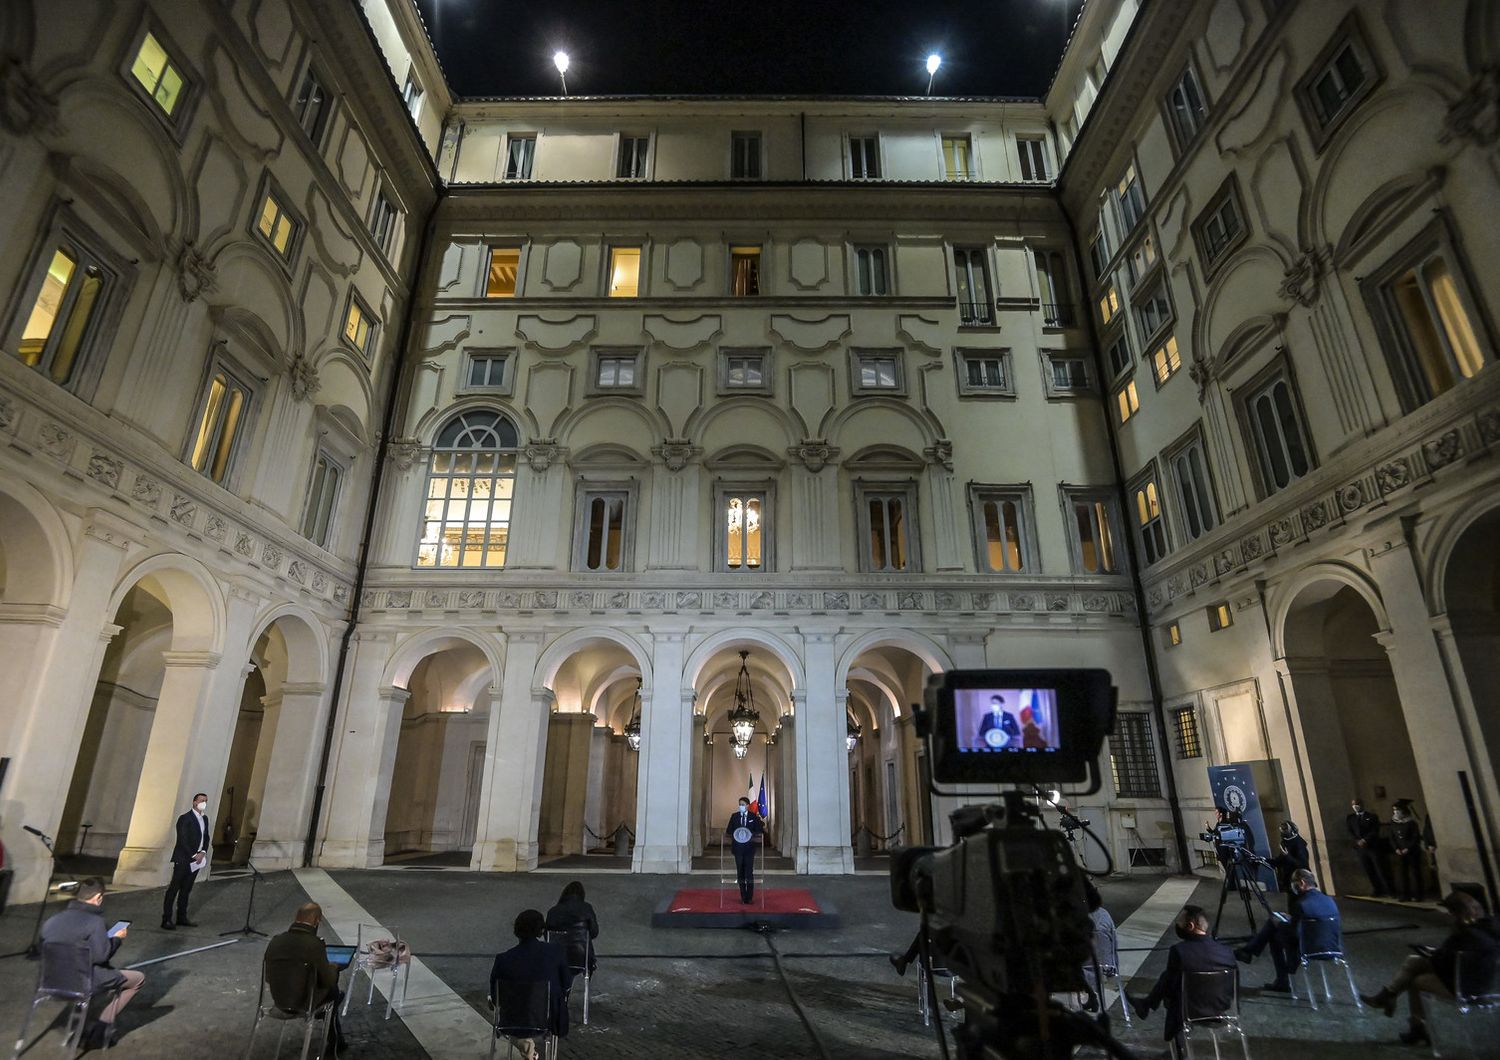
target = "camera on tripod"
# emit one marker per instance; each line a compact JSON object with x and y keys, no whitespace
{"x":1004,"y":905}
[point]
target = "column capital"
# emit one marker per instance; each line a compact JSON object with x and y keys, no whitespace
{"x":109,"y":632}
{"x":109,"y":529}
{"x":799,"y":696}
{"x":32,"y":615}
{"x":394,"y":695}
{"x":545,"y":696}
{"x":208,"y":660}
{"x":303,"y":688}
{"x":522,"y":636}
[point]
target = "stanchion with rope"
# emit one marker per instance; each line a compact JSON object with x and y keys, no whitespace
{"x":864,"y":837}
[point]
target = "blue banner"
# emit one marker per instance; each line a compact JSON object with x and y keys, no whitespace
{"x":1234,"y":789}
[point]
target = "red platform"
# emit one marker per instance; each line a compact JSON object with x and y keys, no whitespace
{"x":791,"y":907}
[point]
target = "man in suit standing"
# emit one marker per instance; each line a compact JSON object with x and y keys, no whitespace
{"x":1364,"y":829}
{"x":742,"y":830}
{"x":188,"y":857}
{"x":1314,"y":927}
{"x":999,"y":719}
{"x":531,"y":960}
{"x":1197,"y":952}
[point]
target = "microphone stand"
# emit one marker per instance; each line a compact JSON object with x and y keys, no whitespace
{"x":33,"y":951}
{"x":247,"y":930}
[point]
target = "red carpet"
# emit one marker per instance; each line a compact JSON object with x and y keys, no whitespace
{"x":782,"y":900}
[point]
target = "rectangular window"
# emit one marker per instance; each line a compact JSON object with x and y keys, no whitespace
{"x":1097,"y":71}
{"x":1219,"y":617}
{"x":1172,"y":635}
{"x":632,"y":162}
{"x":1185,"y":728}
{"x":976,"y":304}
{"x":985,"y":372}
{"x":276,"y":226}
{"x":471,"y":483}
{"x":1118,"y":356}
{"x":745,"y":529}
{"x":1153,"y":311}
{"x":744,"y":156}
{"x":887,"y":529}
{"x":957,"y":164}
{"x":870,"y":271}
{"x":1127,"y":402}
{"x":624,"y":272}
{"x":1275,"y":425}
{"x":1109,"y":305}
{"x":1094,"y":536}
{"x":1219,"y":227}
{"x":1186,"y":108}
{"x":221,"y":420}
{"x":1067,"y":375}
{"x":1033,"y":152}
{"x":1132,"y":760}
{"x":311,"y":106}
{"x":1438,"y":342}
{"x":68,"y":303}
{"x":1053,"y":290}
{"x":155,"y":71}
{"x":616,"y":371}
{"x":1149,"y":520}
{"x":744,"y":271}
{"x":745,"y":370}
{"x":601,"y":533}
{"x":878,"y":371}
{"x":1338,"y":82}
{"x":502,"y":272}
{"x":1140,"y":259}
{"x":1195,"y":494}
{"x":322,"y":495}
{"x":487,"y":371}
{"x":383,"y":221}
{"x":520,"y":152}
{"x":1000,"y":527}
{"x":1129,"y":199}
{"x":1099,"y":254}
{"x":864,"y":158}
{"x":359,"y":325}
{"x":411,"y":95}
{"x":1165,"y":360}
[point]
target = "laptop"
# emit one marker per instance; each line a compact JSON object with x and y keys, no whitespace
{"x":340,"y":956}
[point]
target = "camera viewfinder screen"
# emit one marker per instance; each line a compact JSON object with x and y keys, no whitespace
{"x":1006,"y":720}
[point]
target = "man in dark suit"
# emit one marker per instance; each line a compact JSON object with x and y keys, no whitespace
{"x":82,"y":924}
{"x":189,"y":855}
{"x":1364,"y":829}
{"x":998,"y":718}
{"x":290,"y":954}
{"x":744,"y":852}
{"x":1197,"y":952}
{"x":531,"y":960}
{"x":1314,"y":927}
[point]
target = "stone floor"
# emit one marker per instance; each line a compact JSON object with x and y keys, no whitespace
{"x":676,"y":994}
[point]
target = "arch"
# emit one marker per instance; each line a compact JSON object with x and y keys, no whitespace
{"x":32,"y":531}
{"x":1447,"y":535}
{"x":701,"y":421}
{"x":1302,"y":593}
{"x":880,"y":682}
{"x":833,"y":426}
{"x":434,"y":420}
{"x":744,"y":456}
{"x":571,"y":422}
{"x":418,"y":646}
{"x":725,"y":639}
{"x":264,"y":314}
{"x":344,"y":383}
{"x":607,"y":454}
{"x":1383,"y":207}
{"x":598,"y":691}
{"x":932,"y":654}
{"x":1257,"y":270}
{"x":193,"y":596}
{"x":306,"y":642}
{"x":564,"y":647}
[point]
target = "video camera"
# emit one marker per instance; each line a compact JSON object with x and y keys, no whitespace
{"x":1004,"y":906}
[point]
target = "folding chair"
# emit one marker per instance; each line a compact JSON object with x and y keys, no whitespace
{"x":289,"y":1010}
{"x":1473,"y":991}
{"x":523,"y":1009}
{"x":1110,"y":972}
{"x":375,"y":953}
{"x":924,"y":1000}
{"x":1326,"y":935}
{"x":66,"y":974}
{"x":580,"y":953}
{"x":1211,"y":1002}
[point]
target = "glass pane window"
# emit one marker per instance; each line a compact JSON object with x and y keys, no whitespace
{"x":503,"y":272}
{"x":744,"y":531}
{"x":878,"y":373}
{"x":747,"y":371}
{"x":275,"y":225}
{"x":1153,"y":310}
{"x":1002,"y":533}
{"x":1185,"y":728}
{"x":604,"y":531}
{"x":1220,"y":228}
{"x":617,"y":371}
{"x":744,"y":162}
{"x":870,"y":269}
{"x":1440,"y":337}
{"x":1109,"y":305}
{"x":1033,"y":152}
{"x":956,"y":158}
{"x":1277,"y":432}
{"x":411,"y":95}
{"x":1149,"y":519}
{"x":470,"y":488}
{"x":311,"y":106}
{"x":984,"y":373}
{"x":1069,"y":373}
{"x":1095,"y":540}
{"x":1185,"y":104}
{"x":886,"y":531}
{"x":624,"y":272}
{"x":971,"y":273}
{"x":1130,"y":199}
{"x":1127,"y":401}
{"x":69,"y":297}
{"x":519,"y":154}
{"x":1337,"y":82}
{"x":322,"y":494}
{"x":1220,"y":617}
{"x":1053,"y":290}
{"x":1194,"y":494}
{"x":359,"y":325}
{"x":1142,"y":256}
{"x":154,"y":70}
{"x":1132,"y":760}
{"x":632,"y":163}
{"x":1165,"y":360}
{"x":1099,"y":254}
{"x":487,"y":370}
{"x":864,"y":158}
{"x":744,"y":271}
{"x":1118,"y":356}
{"x":219,"y":421}
{"x":382,"y":221}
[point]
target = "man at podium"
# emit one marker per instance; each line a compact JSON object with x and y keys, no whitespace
{"x":743,"y":828}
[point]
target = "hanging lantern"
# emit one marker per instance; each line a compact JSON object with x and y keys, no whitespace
{"x":741,"y":750}
{"x":633,"y":726}
{"x":744,"y":717}
{"x":851,"y":735}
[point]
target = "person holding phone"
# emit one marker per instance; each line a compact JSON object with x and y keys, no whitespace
{"x":189,"y":856}
{"x":82,"y":924}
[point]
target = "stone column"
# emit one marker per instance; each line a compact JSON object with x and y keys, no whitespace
{"x":822,"y":765}
{"x":700,"y":751}
{"x":565,"y":783}
{"x":664,"y":781}
{"x":288,"y":774}
{"x":514,"y":755}
{"x":593,"y":803}
{"x":785,"y":802}
{"x":1470,"y":645}
{"x":351,"y":835}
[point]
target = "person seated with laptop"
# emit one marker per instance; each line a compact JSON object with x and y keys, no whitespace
{"x":288,"y":956}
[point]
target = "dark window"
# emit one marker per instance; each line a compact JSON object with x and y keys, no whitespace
{"x":1131,"y":758}
{"x":744,"y":163}
{"x":632,"y":164}
{"x":1185,"y":105}
{"x":864,"y":158}
{"x":1276,"y":429}
{"x":520,"y":153}
{"x":1033,"y":152}
{"x":311,"y":106}
{"x":975,"y":303}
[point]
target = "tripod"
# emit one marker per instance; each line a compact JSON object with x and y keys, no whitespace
{"x":1240,"y":873}
{"x":247,"y":930}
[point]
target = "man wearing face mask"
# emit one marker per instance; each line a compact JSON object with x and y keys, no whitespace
{"x":189,"y":857}
{"x":744,"y":825}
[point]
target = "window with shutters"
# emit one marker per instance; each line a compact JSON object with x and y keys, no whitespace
{"x":887,"y":528}
{"x":1001,"y":518}
{"x":976,"y":301}
{"x":630,"y":164}
{"x":1033,"y":155}
{"x":958,"y":158}
{"x":744,"y":271}
{"x":1193,"y":488}
{"x":744,"y":156}
{"x":520,"y":153}
{"x":1273,"y":420}
{"x":1054,"y":292}
{"x":1091,"y":516}
{"x":322,"y":497}
{"x":871,"y":271}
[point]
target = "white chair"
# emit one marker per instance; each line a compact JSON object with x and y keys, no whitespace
{"x":1331,"y":953}
{"x":523,"y":1009}
{"x":924,"y":1000}
{"x":292,"y":1010}
{"x":67,"y":975}
{"x":580,"y":949}
{"x":1109,"y":972}
{"x":1470,"y":994}
{"x":375,"y":953}
{"x":1211,"y":1003}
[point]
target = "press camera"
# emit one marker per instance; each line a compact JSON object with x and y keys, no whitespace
{"x":1004,"y":907}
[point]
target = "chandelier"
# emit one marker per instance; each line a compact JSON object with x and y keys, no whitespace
{"x":741,"y":750}
{"x":633,"y":726}
{"x":851,"y":735}
{"x":744,"y":717}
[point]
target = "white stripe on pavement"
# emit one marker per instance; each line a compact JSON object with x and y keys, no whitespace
{"x":443,"y":1023}
{"x":1144,"y":928}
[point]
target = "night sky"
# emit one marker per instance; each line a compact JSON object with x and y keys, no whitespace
{"x":775,"y":47}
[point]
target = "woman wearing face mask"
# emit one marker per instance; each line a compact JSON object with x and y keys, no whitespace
{"x":1406,"y":844}
{"x":188,"y":857}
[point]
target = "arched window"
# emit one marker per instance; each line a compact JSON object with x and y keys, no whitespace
{"x":470,"y":483}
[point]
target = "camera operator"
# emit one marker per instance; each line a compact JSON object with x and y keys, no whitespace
{"x":1197,"y":952}
{"x":1289,"y":938}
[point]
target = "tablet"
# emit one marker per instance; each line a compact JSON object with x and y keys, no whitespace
{"x":340,"y":956}
{"x":119,"y":926}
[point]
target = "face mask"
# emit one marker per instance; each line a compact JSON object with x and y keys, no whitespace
{"x":744,"y":808}
{"x":200,"y":806}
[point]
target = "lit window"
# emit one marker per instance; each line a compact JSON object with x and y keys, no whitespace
{"x":220,"y":419}
{"x":1033,"y":152}
{"x":878,"y":371}
{"x":411,"y":95}
{"x":1141,"y":257}
{"x":870,"y":270}
{"x":1127,"y":401}
{"x":864,"y":158}
{"x":1172,"y":634}
{"x":956,"y":158}
{"x":1109,"y":304}
{"x":470,"y":487}
{"x":487,"y":371}
{"x":624,"y":272}
{"x":1219,"y":617}
{"x":311,"y":106}
{"x":1276,"y":429}
{"x":1437,"y":330}
{"x":975,"y":304}
{"x":744,"y":160}
{"x":276,"y":226}
{"x":1185,"y":726}
{"x":503,"y":272}
{"x":359,"y":325}
{"x":1000,"y":519}
{"x":1194,"y":491}
{"x":69,"y":298}
{"x":744,"y":515}
{"x":1165,"y":360}
{"x":322,"y":495}
{"x":1152,"y":524}
{"x":1094,"y":535}
{"x":632,"y":163}
{"x":154,"y":70}
{"x":616,"y":371}
{"x":744,"y":271}
{"x":601,"y":545}
{"x":519,"y":153}
{"x":886,"y":530}
{"x":1185,"y":105}
{"x":984,"y":372}
{"x":1130,"y":199}
{"x":745,"y":370}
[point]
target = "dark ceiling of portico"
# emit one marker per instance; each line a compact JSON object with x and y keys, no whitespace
{"x":770,"y":47}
